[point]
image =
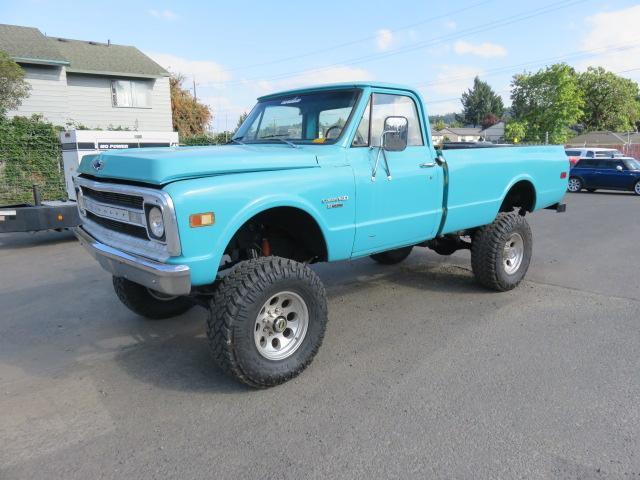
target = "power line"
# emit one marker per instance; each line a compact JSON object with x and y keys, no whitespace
{"x":428,"y":43}
{"x":503,"y":92}
{"x":360,"y":40}
{"x":568,"y":56}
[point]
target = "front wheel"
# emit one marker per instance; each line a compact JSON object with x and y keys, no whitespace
{"x":501,"y":252}
{"x":636,"y":188}
{"x":149,"y":303}
{"x":574,"y":185}
{"x":267,"y":320}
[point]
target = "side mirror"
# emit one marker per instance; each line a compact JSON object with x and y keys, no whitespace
{"x":395,"y":134}
{"x":619,"y":168}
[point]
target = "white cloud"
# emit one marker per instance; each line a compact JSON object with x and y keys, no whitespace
{"x":384,"y":39}
{"x":206,"y":72}
{"x":163,"y":14}
{"x":452,"y":80}
{"x":485,"y":50}
{"x":617,"y":28}
{"x":225,"y":111}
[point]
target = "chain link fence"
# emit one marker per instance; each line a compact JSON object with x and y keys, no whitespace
{"x":30,"y":154}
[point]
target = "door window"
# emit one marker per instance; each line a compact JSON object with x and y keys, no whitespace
{"x":361,"y":139}
{"x":586,"y":164}
{"x":606,"y":165}
{"x":385,"y":105}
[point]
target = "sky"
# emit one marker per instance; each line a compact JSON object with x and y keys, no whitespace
{"x":236,"y":52}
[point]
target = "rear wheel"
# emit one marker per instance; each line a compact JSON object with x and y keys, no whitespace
{"x":575,"y":184}
{"x":147,"y":302}
{"x":501,"y":252}
{"x":391,"y":257}
{"x":636,"y":188}
{"x":267,"y":320}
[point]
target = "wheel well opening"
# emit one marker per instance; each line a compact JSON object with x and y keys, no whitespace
{"x":522,"y":196}
{"x":286,"y":232}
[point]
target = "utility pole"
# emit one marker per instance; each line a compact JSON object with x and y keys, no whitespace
{"x":546,"y":138}
{"x":195,"y":94}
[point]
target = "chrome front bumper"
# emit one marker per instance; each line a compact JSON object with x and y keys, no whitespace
{"x":161,"y":277}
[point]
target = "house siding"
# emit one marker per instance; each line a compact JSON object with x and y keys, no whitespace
{"x":63,"y":98}
{"x":90,"y":101}
{"x":48,"y":95}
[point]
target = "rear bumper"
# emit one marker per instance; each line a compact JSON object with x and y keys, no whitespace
{"x":164,"y":278}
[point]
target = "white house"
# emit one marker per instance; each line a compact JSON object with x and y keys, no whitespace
{"x":456,"y":135}
{"x":494,"y":133}
{"x":96,"y":85}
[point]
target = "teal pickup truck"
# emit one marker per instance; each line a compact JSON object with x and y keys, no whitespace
{"x":313,"y":175}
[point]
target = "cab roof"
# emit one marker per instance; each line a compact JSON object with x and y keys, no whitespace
{"x":336,"y":86}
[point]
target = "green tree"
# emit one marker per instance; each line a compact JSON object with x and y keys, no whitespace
{"x":243,"y":116}
{"x":13,"y":87}
{"x":610,"y":101}
{"x":190,"y":117}
{"x":440,"y":125}
{"x":549,"y":101}
{"x":480,"y":101}
{"x":515,"y":132}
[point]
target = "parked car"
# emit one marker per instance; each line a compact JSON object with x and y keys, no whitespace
{"x":312,"y":175}
{"x":606,"y":173}
{"x":593,"y":152}
{"x":576,"y":154}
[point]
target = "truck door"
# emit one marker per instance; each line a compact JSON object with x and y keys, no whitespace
{"x":402,"y":204}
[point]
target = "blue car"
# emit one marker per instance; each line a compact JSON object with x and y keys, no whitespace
{"x":605,"y":173}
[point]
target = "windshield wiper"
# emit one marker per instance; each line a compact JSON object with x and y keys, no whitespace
{"x":235,"y":140}
{"x":279,"y":137}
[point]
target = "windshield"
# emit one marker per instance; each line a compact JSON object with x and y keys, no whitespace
{"x":318,"y":117}
{"x":632,"y":164}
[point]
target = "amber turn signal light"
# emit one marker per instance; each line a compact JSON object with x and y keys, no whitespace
{"x":202,"y":219}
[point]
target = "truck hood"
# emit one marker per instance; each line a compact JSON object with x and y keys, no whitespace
{"x":160,"y":166}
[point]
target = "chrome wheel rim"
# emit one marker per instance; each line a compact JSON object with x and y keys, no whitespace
{"x":513,"y":253}
{"x":574,"y":185}
{"x":637,"y":188}
{"x":281,"y":325}
{"x":163,"y":297}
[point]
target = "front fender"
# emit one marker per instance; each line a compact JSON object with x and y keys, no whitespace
{"x":234,"y":199}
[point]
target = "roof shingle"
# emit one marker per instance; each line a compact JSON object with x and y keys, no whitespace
{"x":28,"y":45}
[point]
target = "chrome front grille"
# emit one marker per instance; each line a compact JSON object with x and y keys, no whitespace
{"x":125,"y":228}
{"x":112,"y":198}
{"x":115,"y":215}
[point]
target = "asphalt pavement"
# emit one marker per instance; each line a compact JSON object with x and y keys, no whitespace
{"x":422,"y":373}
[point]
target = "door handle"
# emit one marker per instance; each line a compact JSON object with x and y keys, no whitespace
{"x":427,"y":165}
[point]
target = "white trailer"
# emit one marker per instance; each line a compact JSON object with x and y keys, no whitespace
{"x":44,"y":215}
{"x":78,"y":143}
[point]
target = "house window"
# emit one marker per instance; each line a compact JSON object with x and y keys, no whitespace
{"x":131,"y":93}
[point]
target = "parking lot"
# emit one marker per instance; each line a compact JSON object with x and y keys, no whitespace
{"x":422,"y":374}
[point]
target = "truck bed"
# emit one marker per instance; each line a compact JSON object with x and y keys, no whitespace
{"x":479,"y":179}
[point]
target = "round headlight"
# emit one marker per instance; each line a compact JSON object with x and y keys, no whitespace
{"x":156,"y":223}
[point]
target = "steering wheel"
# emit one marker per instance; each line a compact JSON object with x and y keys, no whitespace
{"x":359,"y":140}
{"x":328,"y":136}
